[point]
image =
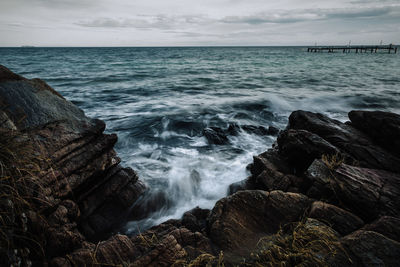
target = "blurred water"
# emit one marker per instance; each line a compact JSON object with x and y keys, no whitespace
{"x":158,"y":101}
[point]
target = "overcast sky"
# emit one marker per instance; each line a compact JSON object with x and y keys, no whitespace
{"x":197,"y":22}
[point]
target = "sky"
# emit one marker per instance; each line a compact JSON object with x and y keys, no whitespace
{"x":198,"y":22}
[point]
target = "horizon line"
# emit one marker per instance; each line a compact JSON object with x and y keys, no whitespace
{"x":183,"y":46}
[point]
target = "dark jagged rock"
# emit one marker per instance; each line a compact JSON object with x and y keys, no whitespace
{"x":270,"y":159}
{"x":195,"y":219}
{"x":387,"y":226}
{"x":81,"y":190}
{"x":246,"y":184}
{"x":368,"y":248}
{"x":300,"y":148}
{"x":382,"y":127}
{"x":82,"y":193}
{"x":7,"y":75}
{"x":369,"y":193}
{"x":342,"y":221}
{"x":346,"y":138}
{"x":234,"y":129}
{"x":216,"y":136}
{"x":237,"y":222}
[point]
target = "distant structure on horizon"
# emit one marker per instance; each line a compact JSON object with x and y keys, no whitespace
{"x":358,"y":49}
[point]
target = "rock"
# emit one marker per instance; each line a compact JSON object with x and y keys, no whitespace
{"x":257,"y":130}
{"x":346,"y":138}
{"x":246,"y":184}
{"x":319,"y":178}
{"x":300,"y":148}
{"x":272,"y":160}
{"x":195,"y":219}
{"x":194,"y":243}
{"x":216,"y":136}
{"x":165,"y":253}
{"x":60,"y":262}
{"x":63,"y":239}
{"x":237,"y":222}
{"x":271,"y":172}
{"x":273,"y":130}
{"x":233,"y":129}
{"x":121,"y":192}
{"x":116,"y":250}
{"x":7,"y":75}
{"x":37,"y":103}
{"x":342,"y":221}
{"x":150,"y":202}
{"x":271,"y":179}
{"x":382,"y":127}
{"x":80,"y":180}
{"x":368,"y":193}
{"x":369,"y":248}
{"x":387,"y":226}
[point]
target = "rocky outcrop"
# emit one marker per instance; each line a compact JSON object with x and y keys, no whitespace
{"x":369,"y":248}
{"x":340,"y":220}
{"x":350,"y":173}
{"x":382,"y":127}
{"x":346,"y":138}
{"x":327,"y":194}
{"x":238,"y":222}
{"x":81,"y":190}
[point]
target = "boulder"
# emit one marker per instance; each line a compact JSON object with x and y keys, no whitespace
{"x":31,"y":103}
{"x":272,"y":160}
{"x":246,"y":184}
{"x":382,"y":127}
{"x":342,"y":221}
{"x":368,"y":193}
{"x":80,"y":187}
{"x":234,"y":129}
{"x":368,"y":248}
{"x":387,"y":226}
{"x":196,"y":219}
{"x":348,"y":139}
{"x":300,"y":148}
{"x":216,"y":136}
{"x":237,"y":222}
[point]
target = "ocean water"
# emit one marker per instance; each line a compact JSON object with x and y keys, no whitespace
{"x":159,"y":100}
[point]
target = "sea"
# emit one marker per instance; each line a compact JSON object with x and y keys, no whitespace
{"x":159,"y":100}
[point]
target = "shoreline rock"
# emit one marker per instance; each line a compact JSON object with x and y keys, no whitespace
{"x":328,"y":193}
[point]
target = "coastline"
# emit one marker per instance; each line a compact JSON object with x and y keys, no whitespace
{"x":333,"y":184}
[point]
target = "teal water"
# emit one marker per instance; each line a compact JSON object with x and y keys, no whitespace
{"x":159,"y":100}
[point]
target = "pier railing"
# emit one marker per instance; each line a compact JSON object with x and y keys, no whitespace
{"x":357,"y":49}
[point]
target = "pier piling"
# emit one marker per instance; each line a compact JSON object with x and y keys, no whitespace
{"x":357,"y":49}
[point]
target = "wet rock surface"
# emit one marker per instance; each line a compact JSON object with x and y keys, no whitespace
{"x":351,"y":174}
{"x":328,"y":194}
{"x":81,"y":192}
{"x":220,"y":136}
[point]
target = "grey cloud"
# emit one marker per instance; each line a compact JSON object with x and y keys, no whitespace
{"x":293,"y":16}
{"x":362,"y":13}
{"x":159,"y":22}
{"x":15,"y":24}
{"x":163,"y":22}
{"x":358,"y":2}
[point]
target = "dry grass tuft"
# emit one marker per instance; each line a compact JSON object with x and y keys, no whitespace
{"x":19,"y":166}
{"x":333,"y":161}
{"x":203,"y":260}
{"x":303,"y":244}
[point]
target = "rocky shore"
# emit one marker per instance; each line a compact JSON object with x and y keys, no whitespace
{"x":326,"y":194}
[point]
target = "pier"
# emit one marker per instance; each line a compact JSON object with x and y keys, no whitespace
{"x":357,"y":49}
